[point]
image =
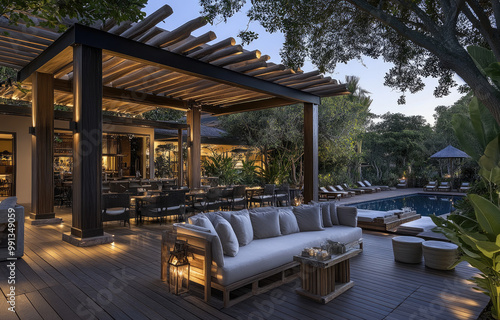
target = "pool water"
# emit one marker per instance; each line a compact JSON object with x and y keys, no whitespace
{"x":424,"y":204}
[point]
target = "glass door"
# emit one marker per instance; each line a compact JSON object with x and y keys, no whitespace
{"x":7,"y":164}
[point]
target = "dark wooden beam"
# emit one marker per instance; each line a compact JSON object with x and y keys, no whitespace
{"x":194,"y":151}
{"x":122,"y":95}
{"x":311,"y":184}
{"x":140,"y":52}
{"x":87,"y":142}
{"x":64,"y":41}
{"x":107,"y":119}
{"x":249,"y":106}
{"x":42,"y":177}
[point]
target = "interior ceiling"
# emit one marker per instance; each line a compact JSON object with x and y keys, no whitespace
{"x":4,"y":136}
{"x":20,"y":45}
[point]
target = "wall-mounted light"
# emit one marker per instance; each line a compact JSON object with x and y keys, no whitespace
{"x":73,"y":126}
{"x":31,"y":130}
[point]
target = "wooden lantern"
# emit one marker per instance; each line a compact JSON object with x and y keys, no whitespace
{"x":178,"y":268}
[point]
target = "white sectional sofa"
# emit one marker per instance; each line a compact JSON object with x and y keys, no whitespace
{"x":233,"y":250}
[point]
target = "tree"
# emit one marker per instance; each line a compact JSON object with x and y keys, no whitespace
{"x":163,"y":114}
{"x":421,"y":38}
{"x":55,"y":14}
{"x":395,"y":146}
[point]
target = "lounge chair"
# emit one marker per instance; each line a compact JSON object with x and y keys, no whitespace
{"x":464,"y":187}
{"x":431,"y":186}
{"x":368,"y":184}
{"x":338,"y":187}
{"x":402,"y":183}
{"x":347,"y":188}
{"x":365,"y":187}
{"x":328,"y":195}
{"x":344,"y":194}
{"x":444,"y":186}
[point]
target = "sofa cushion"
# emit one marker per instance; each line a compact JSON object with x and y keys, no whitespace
{"x":333,"y":212}
{"x":227,"y":236}
{"x":242,"y":227}
{"x":265,"y":223}
{"x":8,"y":203}
{"x":308,"y":218}
{"x":288,"y":222}
{"x":227,"y":214}
{"x":264,"y":254}
{"x":348,"y":216}
{"x":325,"y":213}
{"x":203,"y":221}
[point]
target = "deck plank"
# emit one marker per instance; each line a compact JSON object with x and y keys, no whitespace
{"x":56,"y":280}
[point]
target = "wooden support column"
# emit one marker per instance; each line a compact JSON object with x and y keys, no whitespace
{"x":194,"y":150}
{"x":310,"y":152}
{"x":180,"y":159}
{"x":42,"y":178}
{"x":87,"y":142}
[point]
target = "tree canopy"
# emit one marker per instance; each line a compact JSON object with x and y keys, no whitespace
{"x":54,"y":13}
{"x":421,"y":38}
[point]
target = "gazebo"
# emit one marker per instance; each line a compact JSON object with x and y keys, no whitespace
{"x":132,"y":68}
{"x":451,"y":153}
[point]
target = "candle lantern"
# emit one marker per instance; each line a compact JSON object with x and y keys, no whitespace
{"x":178,"y":268}
{"x":297,"y":201}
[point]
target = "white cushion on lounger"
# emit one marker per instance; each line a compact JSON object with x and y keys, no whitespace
{"x":264,"y":254}
{"x":369,"y":215}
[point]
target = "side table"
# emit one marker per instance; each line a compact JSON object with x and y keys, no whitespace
{"x":323,"y":281}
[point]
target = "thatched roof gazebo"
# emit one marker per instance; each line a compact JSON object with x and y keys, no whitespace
{"x":132,"y":68}
{"x":451,"y":153}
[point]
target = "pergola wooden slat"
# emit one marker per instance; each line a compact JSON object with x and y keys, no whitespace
{"x":136,"y":67}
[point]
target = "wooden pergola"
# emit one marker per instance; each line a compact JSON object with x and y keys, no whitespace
{"x":133,"y":68}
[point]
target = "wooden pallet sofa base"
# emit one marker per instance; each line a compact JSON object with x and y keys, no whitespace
{"x":292,"y":268}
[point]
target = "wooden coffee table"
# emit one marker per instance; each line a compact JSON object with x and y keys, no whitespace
{"x":323,"y":281}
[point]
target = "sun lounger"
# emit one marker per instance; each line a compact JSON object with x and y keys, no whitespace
{"x":365,"y":187}
{"x":368,"y":184}
{"x":402,"y":183}
{"x":444,"y":186}
{"x":384,"y":220}
{"x":345,"y":187}
{"x":344,"y":194}
{"x":431,"y":186}
{"x":464,"y":187}
{"x":328,"y":195}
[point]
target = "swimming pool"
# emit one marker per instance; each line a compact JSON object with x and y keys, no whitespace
{"x":424,"y":204}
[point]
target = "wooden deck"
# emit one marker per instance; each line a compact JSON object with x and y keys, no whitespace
{"x":55,"y":280}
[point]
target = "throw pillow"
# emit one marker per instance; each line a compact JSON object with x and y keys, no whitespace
{"x":204,"y":222}
{"x":8,"y":203}
{"x":348,"y":216}
{"x":325,"y":213}
{"x":227,"y":214}
{"x":308,"y":218}
{"x":227,"y":237}
{"x":217,"y":251}
{"x":288,"y":222}
{"x":265,"y":224}
{"x":333,"y":212}
{"x":242,"y":227}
